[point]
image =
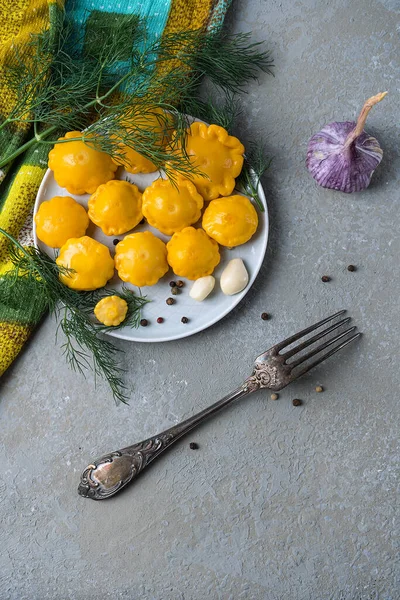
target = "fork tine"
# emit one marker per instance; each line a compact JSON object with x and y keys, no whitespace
{"x":324,"y":357}
{"x":321,"y":347}
{"x":300,"y":334}
{"x":315,"y":338}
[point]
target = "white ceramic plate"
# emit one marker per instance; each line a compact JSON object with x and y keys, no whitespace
{"x":200,"y":314}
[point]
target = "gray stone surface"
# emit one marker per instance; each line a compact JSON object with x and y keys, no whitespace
{"x":278,"y":502}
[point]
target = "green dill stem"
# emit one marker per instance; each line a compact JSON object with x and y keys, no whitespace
{"x":53,"y":142}
{"x":6,"y":122}
{"x":110,"y":91}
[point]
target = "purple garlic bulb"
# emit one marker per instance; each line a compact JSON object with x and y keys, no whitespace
{"x":342,"y":156}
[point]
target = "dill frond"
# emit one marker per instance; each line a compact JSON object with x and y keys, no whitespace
{"x":121,"y":74}
{"x":255,"y":165}
{"x":229,"y":61}
{"x":84,"y":349}
{"x":224,"y":112}
{"x":33,"y":287}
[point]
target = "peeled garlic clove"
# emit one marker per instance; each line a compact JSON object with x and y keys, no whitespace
{"x":234,"y":277}
{"x":342,"y":156}
{"x":202,"y":288}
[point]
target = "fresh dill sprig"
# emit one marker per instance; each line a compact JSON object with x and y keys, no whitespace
{"x":84,"y":349}
{"x":229,"y":61}
{"x":135,"y":304}
{"x":223,"y":112}
{"x":141,"y":127}
{"x":120,"y":75}
{"x":255,"y":165}
{"x":33,"y":286}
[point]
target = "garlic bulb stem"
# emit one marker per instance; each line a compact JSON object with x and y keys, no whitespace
{"x":359,"y":128}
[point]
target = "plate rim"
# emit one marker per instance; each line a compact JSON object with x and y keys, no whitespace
{"x":183,"y":334}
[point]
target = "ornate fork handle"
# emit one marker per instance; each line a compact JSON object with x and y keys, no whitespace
{"x":112,"y":472}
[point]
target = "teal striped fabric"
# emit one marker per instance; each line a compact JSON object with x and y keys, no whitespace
{"x":154,"y":11}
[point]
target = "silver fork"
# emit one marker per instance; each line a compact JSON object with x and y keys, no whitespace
{"x":109,"y":474}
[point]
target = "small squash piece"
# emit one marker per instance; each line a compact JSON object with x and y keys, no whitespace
{"x":170,"y":208}
{"x":79,"y":167}
{"x":60,"y":219}
{"x":111,"y":310}
{"x":90,"y":263}
{"x":192,"y":254}
{"x":141,"y":259}
{"x":116,"y":207}
{"x":230,"y":221}
{"x":217,"y":155}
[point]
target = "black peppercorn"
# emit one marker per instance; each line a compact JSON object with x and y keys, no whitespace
{"x":325,"y":278}
{"x":144,"y":322}
{"x":116,"y":241}
{"x":193,"y":446}
{"x":172,"y":283}
{"x":185,"y":320}
{"x":170,"y":301}
{"x":180,"y":283}
{"x":351,"y":268}
{"x":175,"y":290}
{"x":160,"y":320}
{"x":297,"y":402}
{"x":265,"y":316}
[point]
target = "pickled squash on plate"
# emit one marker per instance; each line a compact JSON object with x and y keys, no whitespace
{"x":116,"y":207}
{"x":79,"y":167}
{"x":230,"y":221}
{"x":60,"y":219}
{"x":141,"y":259}
{"x":90,"y":263}
{"x":218,"y":158}
{"x":192,"y":254}
{"x":111,"y":310}
{"x":170,"y":208}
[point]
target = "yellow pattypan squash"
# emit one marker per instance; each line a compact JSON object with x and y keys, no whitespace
{"x":116,"y":207}
{"x":230,"y":221}
{"x":59,"y":219}
{"x":155,"y":124}
{"x":90,"y":261}
{"x":192,"y":254}
{"x":171,"y":208}
{"x":216,"y":154}
{"x":141,"y":259}
{"x":111,"y":310}
{"x":79,"y":167}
